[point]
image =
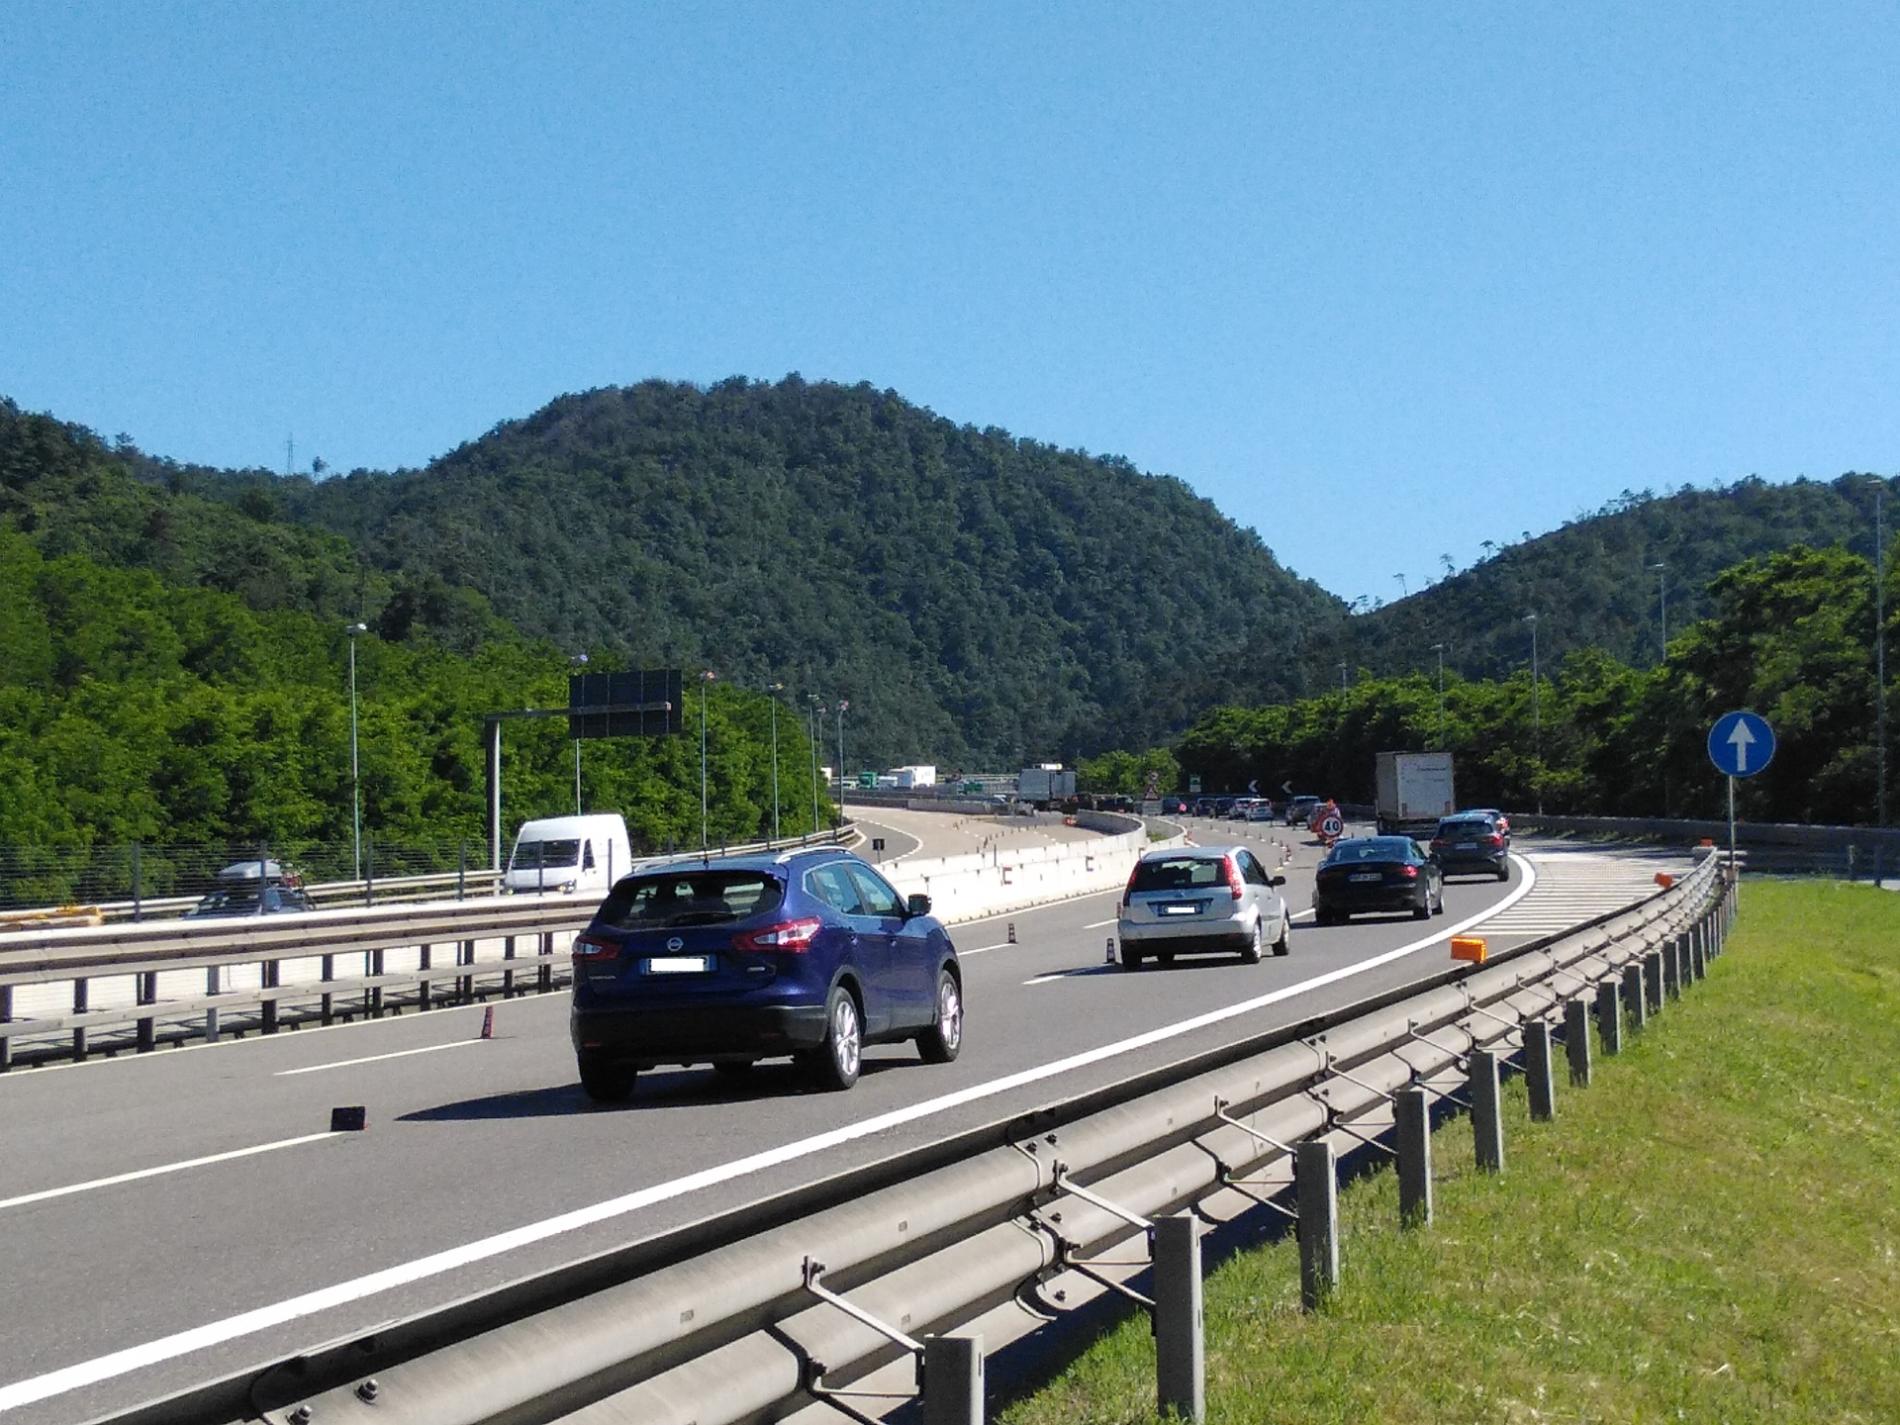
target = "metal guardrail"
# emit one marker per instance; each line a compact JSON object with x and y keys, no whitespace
{"x":1851,"y":852}
{"x":142,"y":951}
{"x":1002,"y":1227}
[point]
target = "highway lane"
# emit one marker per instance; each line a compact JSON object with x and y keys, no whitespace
{"x":471,"y":1139}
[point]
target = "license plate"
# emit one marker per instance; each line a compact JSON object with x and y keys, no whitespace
{"x":680,"y":965}
{"x":1180,"y":910}
{"x":1365,"y":876}
{"x":1467,"y":846}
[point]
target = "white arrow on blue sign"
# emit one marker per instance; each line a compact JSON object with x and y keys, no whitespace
{"x":1741,"y":744}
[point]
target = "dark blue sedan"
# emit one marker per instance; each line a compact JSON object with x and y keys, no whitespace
{"x":727,"y":961}
{"x":1377,"y":873}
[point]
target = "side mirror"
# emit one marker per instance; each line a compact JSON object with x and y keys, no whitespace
{"x":1276,"y":880}
{"x":918,"y":905}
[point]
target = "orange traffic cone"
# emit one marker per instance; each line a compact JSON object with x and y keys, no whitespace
{"x":488,"y":1022}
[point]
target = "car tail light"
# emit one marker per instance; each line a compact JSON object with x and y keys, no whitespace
{"x":595,"y":948}
{"x":1438,"y":843}
{"x":1494,"y":841}
{"x":1233,"y":877}
{"x":1128,"y":894}
{"x":787,"y":937}
{"x":1409,"y":872}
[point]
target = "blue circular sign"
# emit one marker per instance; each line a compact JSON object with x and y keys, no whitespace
{"x":1741,"y":744}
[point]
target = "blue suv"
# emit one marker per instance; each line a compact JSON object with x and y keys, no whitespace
{"x":731,"y":960}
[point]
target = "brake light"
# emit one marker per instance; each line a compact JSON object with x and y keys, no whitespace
{"x":1233,"y":877}
{"x":1409,"y":872}
{"x":1494,"y":841}
{"x":792,"y":937}
{"x":595,"y":948}
{"x":1128,"y":894}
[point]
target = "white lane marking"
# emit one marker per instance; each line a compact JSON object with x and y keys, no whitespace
{"x":1056,"y":975}
{"x":984,"y":949}
{"x":67,"y":1191}
{"x":1097,"y":925}
{"x":374,"y":1058}
{"x":263,"y":1318}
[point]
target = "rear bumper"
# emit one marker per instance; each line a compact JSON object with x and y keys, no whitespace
{"x":1472,"y":864}
{"x":1187,"y":937}
{"x":677,"y":1034}
{"x":1371,"y":899}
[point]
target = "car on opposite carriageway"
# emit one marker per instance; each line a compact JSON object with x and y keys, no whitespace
{"x":729,"y":960}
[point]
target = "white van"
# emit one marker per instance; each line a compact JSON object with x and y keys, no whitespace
{"x":569,"y":853}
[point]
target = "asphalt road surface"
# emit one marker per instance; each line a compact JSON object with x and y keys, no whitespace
{"x":174,"y":1216}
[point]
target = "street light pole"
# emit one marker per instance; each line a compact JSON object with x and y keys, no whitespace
{"x":579,"y":660}
{"x":772,"y":690}
{"x":811,"y":724}
{"x":1537,"y":715}
{"x":842,"y":706}
{"x":1662,"y":606}
{"x":705,"y":686}
{"x":1439,"y":649}
{"x":1342,"y":677}
{"x":356,"y":784}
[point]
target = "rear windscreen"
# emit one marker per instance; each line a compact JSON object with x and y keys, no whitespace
{"x":667,"y":899}
{"x":1474,"y":827}
{"x":1180,"y":873}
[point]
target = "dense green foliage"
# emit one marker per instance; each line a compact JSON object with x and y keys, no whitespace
{"x":1592,"y":583}
{"x":980,"y":600}
{"x":136,"y":710}
{"x":1789,"y":635}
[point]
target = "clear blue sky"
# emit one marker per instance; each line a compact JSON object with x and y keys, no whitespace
{"x":1382,"y":281}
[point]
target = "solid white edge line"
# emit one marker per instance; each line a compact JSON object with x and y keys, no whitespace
{"x":213,"y":1333}
{"x":163,"y":1168}
{"x":373,"y":1058}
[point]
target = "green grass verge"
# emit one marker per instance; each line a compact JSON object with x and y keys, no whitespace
{"x":1710,"y":1232}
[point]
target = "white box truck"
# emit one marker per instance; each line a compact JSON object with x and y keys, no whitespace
{"x":1414,"y":792}
{"x":912,"y":777}
{"x":582,"y":854}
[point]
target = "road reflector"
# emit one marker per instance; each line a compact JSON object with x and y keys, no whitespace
{"x":1468,"y":947}
{"x":1665,"y":880}
{"x":1109,"y":959}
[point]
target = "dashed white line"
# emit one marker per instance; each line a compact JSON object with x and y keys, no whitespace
{"x":163,"y":1168}
{"x":374,"y":1058}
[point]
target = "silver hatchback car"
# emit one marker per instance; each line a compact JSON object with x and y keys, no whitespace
{"x":1197,"y":899}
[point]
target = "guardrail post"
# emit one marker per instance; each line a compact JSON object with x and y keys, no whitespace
{"x":465,"y":987}
{"x":1487,"y":1117}
{"x":1685,"y":972}
{"x":1316,"y":1184}
{"x":1671,"y":970}
{"x":148,"y":1026}
{"x":328,"y":973}
{"x":81,"y":988}
{"x":269,"y":971}
{"x":545,"y":981}
{"x":1653,"y":980}
{"x":1698,"y":962}
{"x":953,"y":1380}
{"x":1180,"y":1363}
{"x":423,"y":956}
{"x":1633,"y":994}
{"x":1540,"y":1073}
{"x":507,"y":976}
{"x":376,"y":991}
{"x":6,"y":1017}
{"x":1577,"y":1040}
{"x":211,"y":1010}
{"x":1414,"y":1114}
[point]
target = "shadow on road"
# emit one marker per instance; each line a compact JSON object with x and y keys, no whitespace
{"x":671,"y":1088}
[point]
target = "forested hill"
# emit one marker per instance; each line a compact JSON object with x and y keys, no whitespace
{"x":1592,"y":584}
{"x":978,"y":598}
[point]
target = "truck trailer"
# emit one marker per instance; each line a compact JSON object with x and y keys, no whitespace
{"x":1414,"y":792}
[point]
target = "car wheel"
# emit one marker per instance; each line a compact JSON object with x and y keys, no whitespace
{"x":1130,"y":957}
{"x":835,"y":1063}
{"x":1284,"y":945}
{"x":1251,"y":955}
{"x":1423,"y":910}
{"x":1438,"y":906}
{"x":1504,"y":870}
{"x":607,"y":1082}
{"x":939,"y":1043}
